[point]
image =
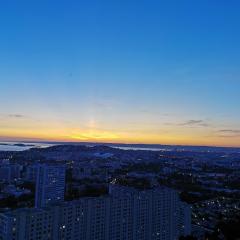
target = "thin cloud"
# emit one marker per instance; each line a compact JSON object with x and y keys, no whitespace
{"x":200,"y":123}
{"x":190,"y":123}
{"x":12,"y":116}
{"x":229,"y":133}
{"x":15,"y":115}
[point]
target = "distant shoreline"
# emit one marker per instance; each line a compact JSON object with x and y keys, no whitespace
{"x":17,"y":144}
{"x":25,"y":145}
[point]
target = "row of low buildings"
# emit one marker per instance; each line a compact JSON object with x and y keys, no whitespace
{"x":125,"y":213}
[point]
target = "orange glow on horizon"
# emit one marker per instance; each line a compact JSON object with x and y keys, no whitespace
{"x":29,"y":130}
{"x":112,"y":137}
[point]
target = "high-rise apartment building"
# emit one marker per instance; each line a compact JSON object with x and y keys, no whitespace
{"x":9,"y":172}
{"x":31,"y":173}
{"x":124,"y":214}
{"x":50,"y":184}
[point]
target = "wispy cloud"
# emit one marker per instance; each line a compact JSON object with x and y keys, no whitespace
{"x":191,"y":123}
{"x":229,"y":133}
{"x":201,"y":123}
{"x":12,"y":116}
{"x":94,"y":135}
{"x":15,"y":115}
{"x":232,"y":131}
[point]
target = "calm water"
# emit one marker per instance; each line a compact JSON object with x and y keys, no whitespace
{"x":144,"y":148}
{"x":14,"y":146}
{"x":21,"y":146}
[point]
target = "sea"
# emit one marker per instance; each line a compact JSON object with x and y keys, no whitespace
{"x":21,"y":146}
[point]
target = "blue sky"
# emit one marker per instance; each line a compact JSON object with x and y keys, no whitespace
{"x":129,"y":71}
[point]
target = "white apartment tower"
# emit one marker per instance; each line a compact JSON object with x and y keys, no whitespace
{"x":50,"y":185}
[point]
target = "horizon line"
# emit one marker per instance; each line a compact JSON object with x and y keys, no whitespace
{"x":110,"y":143}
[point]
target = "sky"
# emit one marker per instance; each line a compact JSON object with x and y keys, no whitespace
{"x":146,"y":71}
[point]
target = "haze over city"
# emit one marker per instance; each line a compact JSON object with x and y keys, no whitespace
{"x":120,"y":71}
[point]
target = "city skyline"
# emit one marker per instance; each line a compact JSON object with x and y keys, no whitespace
{"x":124,"y":72}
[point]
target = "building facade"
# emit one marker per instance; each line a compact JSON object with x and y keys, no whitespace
{"x":10,"y":172}
{"x":31,"y":173}
{"x":124,"y":214}
{"x":50,"y":185}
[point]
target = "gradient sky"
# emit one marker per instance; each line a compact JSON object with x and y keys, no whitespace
{"x":121,"y":71}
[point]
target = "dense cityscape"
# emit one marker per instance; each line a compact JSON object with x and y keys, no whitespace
{"x":99,"y":192}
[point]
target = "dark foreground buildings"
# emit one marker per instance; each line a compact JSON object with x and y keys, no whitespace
{"x":124,"y":214}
